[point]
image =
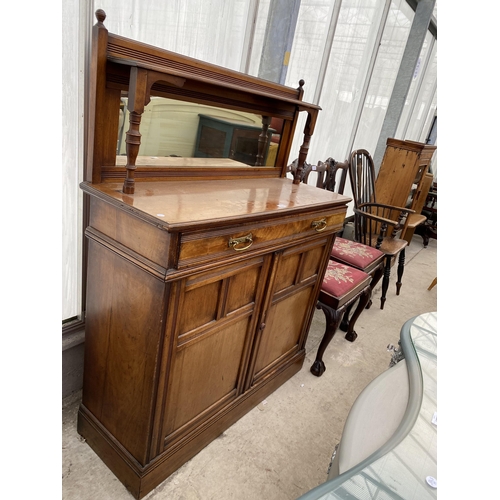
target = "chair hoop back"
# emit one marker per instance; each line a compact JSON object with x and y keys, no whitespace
{"x":362,"y":176}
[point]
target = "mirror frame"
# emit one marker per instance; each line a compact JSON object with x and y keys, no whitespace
{"x":120,"y":65}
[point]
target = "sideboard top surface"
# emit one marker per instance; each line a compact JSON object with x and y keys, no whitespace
{"x":199,"y":203}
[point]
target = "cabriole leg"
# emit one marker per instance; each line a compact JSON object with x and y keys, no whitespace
{"x":344,"y":324}
{"x":333,"y":318}
{"x":351,"y":335}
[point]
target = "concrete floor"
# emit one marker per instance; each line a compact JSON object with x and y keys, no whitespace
{"x":282,"y":448}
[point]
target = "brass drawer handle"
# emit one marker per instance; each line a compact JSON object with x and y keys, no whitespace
{"x":233,"y":242}
{"x":319,"y":225}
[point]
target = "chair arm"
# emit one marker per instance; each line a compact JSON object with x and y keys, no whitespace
{"x":377,"y":218}
{"x":391,"y":207}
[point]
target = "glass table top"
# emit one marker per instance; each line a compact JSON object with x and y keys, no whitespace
{"x":406,"y":467}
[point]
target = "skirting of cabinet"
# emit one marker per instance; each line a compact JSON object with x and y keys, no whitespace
{"x":141,"y":480}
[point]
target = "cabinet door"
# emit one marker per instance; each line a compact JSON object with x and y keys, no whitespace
{"x":213,"y":319}
{"x":288,"y":307}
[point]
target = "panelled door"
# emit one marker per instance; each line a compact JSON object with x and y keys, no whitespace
{"x":286,"y":312}
{"x":215,"y":322}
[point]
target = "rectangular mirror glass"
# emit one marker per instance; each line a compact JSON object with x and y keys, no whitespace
{"x":175,"y":128}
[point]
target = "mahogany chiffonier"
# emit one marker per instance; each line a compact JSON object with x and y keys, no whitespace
{"x":202,"y":273}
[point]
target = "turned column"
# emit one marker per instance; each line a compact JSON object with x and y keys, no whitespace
{"x":304,"y":149}
{"x":263,"y":140}
{"x":138,"y":97}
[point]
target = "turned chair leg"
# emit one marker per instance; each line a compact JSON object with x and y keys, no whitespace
{"x":351,"y":335}
{"x":385,"y":281}
{"x":401,"y":269}
{"x":333,"y":318}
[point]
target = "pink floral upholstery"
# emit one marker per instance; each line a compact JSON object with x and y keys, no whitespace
{"x":340,"y":279}
{"x":354,"y":254}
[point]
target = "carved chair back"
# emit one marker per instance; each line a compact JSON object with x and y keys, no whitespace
{"x":332,"y":175}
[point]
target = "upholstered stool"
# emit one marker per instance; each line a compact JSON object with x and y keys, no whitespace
{"x":342,"y":286}
{"x":362,"y":257}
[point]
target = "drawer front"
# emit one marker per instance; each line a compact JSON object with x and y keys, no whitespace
{"x":200,"y":247}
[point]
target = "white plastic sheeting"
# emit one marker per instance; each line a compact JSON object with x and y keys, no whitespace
{"x":335,"y":50}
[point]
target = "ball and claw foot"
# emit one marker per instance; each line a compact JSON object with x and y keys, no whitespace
{"x":351,"y":337}
{"x":318,"y":368}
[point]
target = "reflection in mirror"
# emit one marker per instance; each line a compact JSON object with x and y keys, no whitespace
{"x":173,"y":128}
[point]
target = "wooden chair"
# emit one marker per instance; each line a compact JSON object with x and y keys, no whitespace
{"x":429,"y":228}
{"x":321,"y":169}
{"x":332,"y":175}
{"x":327,"y":173}
{"x":402,"y":179}
{"x":342,"y":286}
{"x":351,"y":253}
{"x":418,"y":202}
{"x":376,"y":224}
{"x":403,"y":166}
{"x":363,"y":257}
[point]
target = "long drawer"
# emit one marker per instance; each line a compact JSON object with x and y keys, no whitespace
{"x":203,"y":246}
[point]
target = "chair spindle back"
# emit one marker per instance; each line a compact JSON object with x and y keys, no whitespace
{"x":362,"y":176}
{"x":367,"y":230}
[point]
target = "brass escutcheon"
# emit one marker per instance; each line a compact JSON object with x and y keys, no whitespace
{"x":233,"y":242}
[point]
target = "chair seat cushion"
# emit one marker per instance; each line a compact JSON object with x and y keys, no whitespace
{"x":355,"y":254}
{"x":340,"y":279}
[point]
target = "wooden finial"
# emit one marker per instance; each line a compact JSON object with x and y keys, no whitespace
{"x":301,"y":89}
{"x":100,"y":15}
